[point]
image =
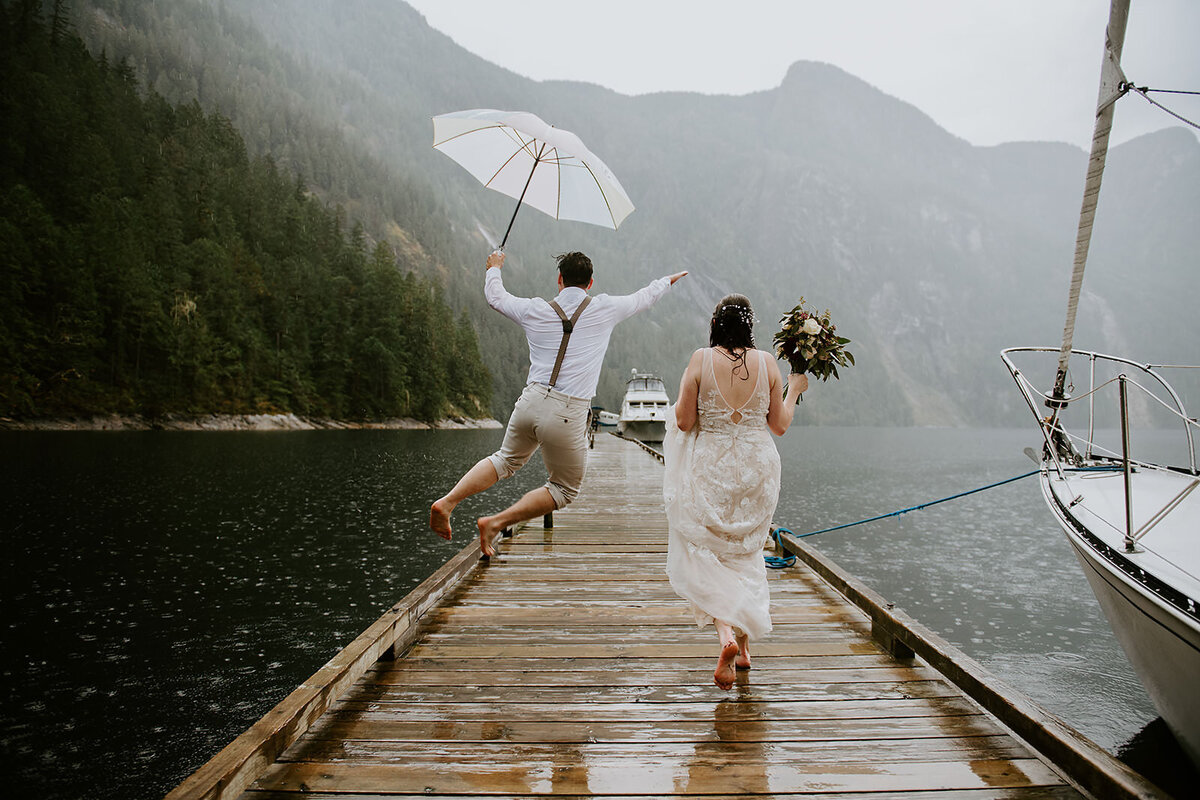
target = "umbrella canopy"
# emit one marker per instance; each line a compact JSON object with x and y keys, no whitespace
{"x":520,"y":155}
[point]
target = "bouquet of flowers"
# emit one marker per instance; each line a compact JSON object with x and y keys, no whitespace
{"x":810,"y":343}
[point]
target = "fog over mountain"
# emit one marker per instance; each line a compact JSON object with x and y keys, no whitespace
{"x":932,"y":254}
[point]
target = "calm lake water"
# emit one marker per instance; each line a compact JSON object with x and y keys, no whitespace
{"x":163,"y":590}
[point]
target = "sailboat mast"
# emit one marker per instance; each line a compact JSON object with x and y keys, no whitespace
{"x":1112,"y":81}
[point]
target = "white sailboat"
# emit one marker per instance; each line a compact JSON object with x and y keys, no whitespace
{"x":1132,"y":521}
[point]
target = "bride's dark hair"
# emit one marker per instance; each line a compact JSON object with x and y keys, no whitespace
{"x":732,"y":328}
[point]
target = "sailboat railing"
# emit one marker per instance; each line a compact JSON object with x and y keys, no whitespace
{"x":1052,"y":428}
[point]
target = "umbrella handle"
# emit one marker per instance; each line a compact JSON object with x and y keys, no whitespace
{"x":536,"y":160}
{"x":514,"y":218}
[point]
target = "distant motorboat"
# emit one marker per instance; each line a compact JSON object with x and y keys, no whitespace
{"x":607,"y":419}
{"x":644,"y":410}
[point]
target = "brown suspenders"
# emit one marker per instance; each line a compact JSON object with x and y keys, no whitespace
{"x":568,"y":326}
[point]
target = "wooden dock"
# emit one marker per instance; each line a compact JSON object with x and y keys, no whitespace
{"x":567,"y":666}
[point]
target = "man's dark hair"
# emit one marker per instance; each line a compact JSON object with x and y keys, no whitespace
{"x":575,"y":269}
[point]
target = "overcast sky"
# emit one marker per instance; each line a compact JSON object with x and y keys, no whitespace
{"x":989,"y":72}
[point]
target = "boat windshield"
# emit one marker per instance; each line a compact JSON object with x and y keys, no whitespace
{"x":645,"y":385}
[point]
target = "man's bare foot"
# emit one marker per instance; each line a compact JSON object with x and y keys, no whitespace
{"x":724,"y":674}
{"x":439,"y":518}
{"x":488,"y":530}
{"x":743,"y":659}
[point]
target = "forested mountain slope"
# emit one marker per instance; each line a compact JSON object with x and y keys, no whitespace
{"x":151,"y":266}
{"x":932,"y":253}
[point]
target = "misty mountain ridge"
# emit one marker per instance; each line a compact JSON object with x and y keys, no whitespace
{"x":932,"y":253}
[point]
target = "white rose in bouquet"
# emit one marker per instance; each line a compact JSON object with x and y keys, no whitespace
{"x":812,"y":327}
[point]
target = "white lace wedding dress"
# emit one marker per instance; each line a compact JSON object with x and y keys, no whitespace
{"x":720,"y":490}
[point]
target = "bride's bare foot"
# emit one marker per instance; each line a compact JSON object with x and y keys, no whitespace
{"x":743,"y":659}
{"x":724,"y":674}
{"x":488,"y":530}
{"x":439,"y":518}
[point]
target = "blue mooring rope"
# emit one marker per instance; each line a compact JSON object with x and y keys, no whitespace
{"x":780,"y":562}
{"x":923,"y":505}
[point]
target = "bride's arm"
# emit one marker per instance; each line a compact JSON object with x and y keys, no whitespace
{"x":689,"y":393}
{"x":783,"y":406}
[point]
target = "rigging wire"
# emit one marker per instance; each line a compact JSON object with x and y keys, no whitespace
{"x":1145,"y":91}
{"x":1163,"y":91}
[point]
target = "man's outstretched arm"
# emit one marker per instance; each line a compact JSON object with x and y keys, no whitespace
{"x":628,"y":305}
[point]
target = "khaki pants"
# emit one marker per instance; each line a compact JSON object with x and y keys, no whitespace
{"x":558,"y":423}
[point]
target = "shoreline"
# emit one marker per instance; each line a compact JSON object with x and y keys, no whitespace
{"x":238,"y":422}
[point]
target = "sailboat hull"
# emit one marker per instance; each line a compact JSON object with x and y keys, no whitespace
{"x":1160,"y":639}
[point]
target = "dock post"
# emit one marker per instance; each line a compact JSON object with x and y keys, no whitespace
{"x":883,"y":631}
{"x":548,"y":520}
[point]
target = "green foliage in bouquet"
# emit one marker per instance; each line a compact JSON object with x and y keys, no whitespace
{"x":809,"y":342}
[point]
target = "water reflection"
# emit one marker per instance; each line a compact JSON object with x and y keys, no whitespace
{"x":1154,"y":752}
{"x":731,"y":744}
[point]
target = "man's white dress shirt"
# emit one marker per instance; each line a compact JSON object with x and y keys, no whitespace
{"x":580,"y":371}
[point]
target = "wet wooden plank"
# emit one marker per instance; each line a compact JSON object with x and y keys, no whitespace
{"x":613,"y":636}
{"x":569,"y":601}
{"x":378,"y":696}
{"x":638,"y":649}
{"x":664,"y":614}
{"x":604,"y":550}
{"x":633,"y":592}
{"x":990,"y":793}
{"x":683,"y":707}
{"x":579,"y":778}
{"x":365,"y":727}
{"x":446,"y":752}
{"x":431,"y":676}
{"x":535,"y":664}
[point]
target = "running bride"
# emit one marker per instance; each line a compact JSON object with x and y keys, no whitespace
{"x":722,"y":481}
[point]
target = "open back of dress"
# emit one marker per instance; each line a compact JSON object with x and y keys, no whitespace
{"x":720,"y":489}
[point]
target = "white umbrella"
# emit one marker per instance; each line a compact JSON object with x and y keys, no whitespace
{"x":520,"y":155}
